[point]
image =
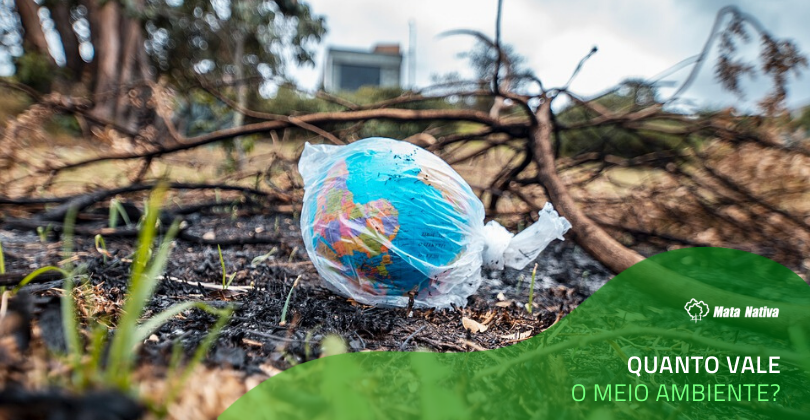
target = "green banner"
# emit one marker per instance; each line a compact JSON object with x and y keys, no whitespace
{"x":697,"y":333}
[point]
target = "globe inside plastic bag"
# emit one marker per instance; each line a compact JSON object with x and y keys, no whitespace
{"x":385,"y":221}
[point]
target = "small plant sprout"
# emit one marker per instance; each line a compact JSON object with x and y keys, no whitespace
{"x":117,"y":210}
{"x":531,"y":290}
{"x":222,"y":263}
{"x":226,"y":279}
{"x":262,"y":258}
{"x":287,"y":302}
{"x":101,"y":247}
{"x":292,"y":254}
{"x":43,"y":233}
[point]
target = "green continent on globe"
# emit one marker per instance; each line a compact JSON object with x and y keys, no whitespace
{"x":388,"y":219}
{"x":345,"y":230}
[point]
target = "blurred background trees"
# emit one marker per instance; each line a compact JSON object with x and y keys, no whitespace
{"x":101,"y":50}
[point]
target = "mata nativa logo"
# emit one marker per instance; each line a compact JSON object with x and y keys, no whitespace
{"x":697,"y":310}
{"x":750,"y":312}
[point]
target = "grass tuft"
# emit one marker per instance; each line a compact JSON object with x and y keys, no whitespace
{"x":117,"y":210}
{"x":104,"y":362}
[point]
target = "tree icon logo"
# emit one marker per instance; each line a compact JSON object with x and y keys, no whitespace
{"x":696,"y":309}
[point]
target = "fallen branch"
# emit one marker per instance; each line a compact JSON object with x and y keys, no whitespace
{"x":320,"y":118}
{"x":83,"y":201}
{"x":587,"y":233}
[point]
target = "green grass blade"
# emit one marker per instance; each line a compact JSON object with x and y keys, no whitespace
{"x":127,"y":338}
{"x":27,"y":279}
{"x":156,"y":268}
{"x":146,"y":236}
{"x":530,"y":303}
{"x":71,"y":324}
{"x":222,"y":262}
{"x":287,"y":302}
{"x":2,"y":260}
{"x":119,"y":211}
{"x":152,"y":324}
{"x":143,"y":278}
{"x":101,"y":247}
{"x":67,"y":236}
{"x":113,"y":218}
{"x":230,"y":280}
{"x":93,"y":366}
{"x":262,"y":258}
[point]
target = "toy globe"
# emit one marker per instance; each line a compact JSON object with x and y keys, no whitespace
{"x":385,"y":222}
{"x":389,"y":223}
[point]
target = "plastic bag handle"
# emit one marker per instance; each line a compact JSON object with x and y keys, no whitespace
{"x":502,"y":248}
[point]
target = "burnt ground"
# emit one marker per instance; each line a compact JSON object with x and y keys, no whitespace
{"x":255,"y":339}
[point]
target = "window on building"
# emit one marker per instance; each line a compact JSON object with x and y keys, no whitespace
{"x":352,"y":76}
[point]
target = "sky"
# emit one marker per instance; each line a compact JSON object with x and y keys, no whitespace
{"x":635,"y":38}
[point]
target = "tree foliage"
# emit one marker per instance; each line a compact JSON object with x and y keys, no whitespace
{"x":215,"y":37}
{"x":630,"y":96}
{"x":109,"y":47}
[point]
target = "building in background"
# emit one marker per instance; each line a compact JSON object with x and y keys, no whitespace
{"x":348,"y":70}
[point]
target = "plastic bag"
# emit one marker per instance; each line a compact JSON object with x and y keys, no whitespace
{"x":384,"y":220}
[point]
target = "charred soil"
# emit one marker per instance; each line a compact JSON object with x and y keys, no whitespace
{"x":264,"y":255}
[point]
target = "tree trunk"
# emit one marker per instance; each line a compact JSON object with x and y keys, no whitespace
{"x":130,"y":69}
{"x":589,"y":235}
{"x":33,"y":37}
{"x":60,"y":12}
{"x":107,"y":47}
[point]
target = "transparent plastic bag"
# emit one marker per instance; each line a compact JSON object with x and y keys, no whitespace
{"x":384,"y":220}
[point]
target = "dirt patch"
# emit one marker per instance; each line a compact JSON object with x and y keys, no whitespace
{"x":256,"y":341}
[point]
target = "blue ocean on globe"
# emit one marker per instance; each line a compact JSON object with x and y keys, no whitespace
{"x":388,"y":216}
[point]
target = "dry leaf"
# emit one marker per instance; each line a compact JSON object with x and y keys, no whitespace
{"x":488,"y":317}
{"x":472,"y":325}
